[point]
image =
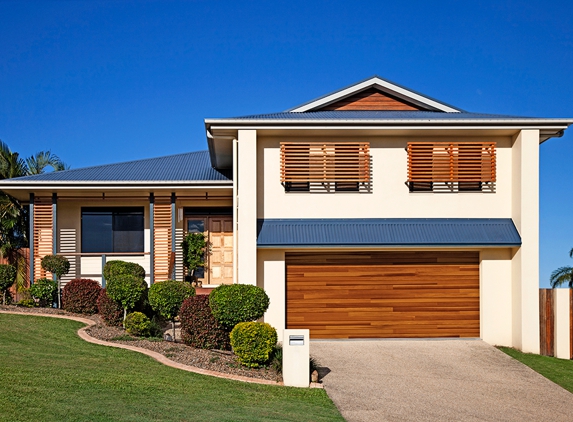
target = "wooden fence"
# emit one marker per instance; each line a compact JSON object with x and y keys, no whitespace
{"x":556,"y":322}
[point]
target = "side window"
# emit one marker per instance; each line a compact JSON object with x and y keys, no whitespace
{"x":112,"y":229}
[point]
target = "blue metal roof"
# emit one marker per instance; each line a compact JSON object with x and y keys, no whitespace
{"x":387,"y":232}
{"x":192,"y":166}
{"x":380,"y":115}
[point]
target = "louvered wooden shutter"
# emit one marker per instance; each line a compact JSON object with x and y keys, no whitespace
{"x":325,"y":162}
{"x":162,"y":256}
{"x":452,"y":162}
{"x":43,"y":234}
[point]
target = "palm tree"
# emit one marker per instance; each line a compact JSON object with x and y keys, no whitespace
{"x":562,"y":275}
{"x":37,"y":163}
{"x":13,"y":215}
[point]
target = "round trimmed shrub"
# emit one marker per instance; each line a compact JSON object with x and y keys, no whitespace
{"x":137,"y":324}
{"x":127,"y":290}
{"x":56,"y":264}
{"x":167,"y":296}
{"x":253,"y":342}
{"x":7,"y":278}
{"x":115,"y":268}
{"x":234,"y":303}
{"x":44,"y":291}
{"x":199,"y":328}
{"x":80,"y":295}
{"x":109,"y":310}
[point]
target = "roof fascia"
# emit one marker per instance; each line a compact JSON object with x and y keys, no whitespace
{"x":390,"y":246}
{"x":123,"y":185}
{"x":385,"y":86}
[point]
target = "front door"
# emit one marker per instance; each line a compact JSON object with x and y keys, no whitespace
{"x":219,"y":254}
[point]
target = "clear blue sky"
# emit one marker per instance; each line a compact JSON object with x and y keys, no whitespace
{"x":100,"y":82}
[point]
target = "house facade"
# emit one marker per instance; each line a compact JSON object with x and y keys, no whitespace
{"x":372,"y":212}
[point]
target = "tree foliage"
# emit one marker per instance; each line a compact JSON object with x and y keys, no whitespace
{"x":193,"y":246}
{"x":14,"y":218}
{"x":7,"y":278}
{"x":562,"y":275}
{"x":234,"y":303}
{"x":167,"y":297}
{"x":126,"y":289}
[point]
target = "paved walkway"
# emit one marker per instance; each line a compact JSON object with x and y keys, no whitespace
{"x":440,"y":380}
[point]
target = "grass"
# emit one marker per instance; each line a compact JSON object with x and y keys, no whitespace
{"x":48,"y":373}
{"x":560,"y":371}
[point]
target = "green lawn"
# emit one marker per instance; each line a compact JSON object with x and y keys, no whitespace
{"x":560,"y":371}
{"x":48,"y":373}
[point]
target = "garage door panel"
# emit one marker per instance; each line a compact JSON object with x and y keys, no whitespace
{"x":387,"y":295}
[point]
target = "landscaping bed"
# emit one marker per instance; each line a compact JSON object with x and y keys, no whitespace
{"x":214,"y":360}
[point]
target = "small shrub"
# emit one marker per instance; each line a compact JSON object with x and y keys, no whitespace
{"x":126,"y":289}
{"x":137,"y":324}
{"x":253,"y":342}
{"x":276,"y":362}
{"x":199,"y":328}
{"x":167,"y":296}
{"x":26,"y":299}
{"x":234,"y":303}
{"x":109,"y":310}
{"x":26,"y":303}
{"x":7,"y":278}
{"x":44,"y":291}
{"x":81,"y":295}
{"x":115,"y":268}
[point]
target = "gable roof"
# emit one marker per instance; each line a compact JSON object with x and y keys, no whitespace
{"x":385,"y":86}
{"x":188,"y":167}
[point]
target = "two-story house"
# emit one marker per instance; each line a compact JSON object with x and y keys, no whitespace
{"x":371,"y":212}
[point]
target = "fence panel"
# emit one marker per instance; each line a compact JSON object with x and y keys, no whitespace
{"x":546,"y":322}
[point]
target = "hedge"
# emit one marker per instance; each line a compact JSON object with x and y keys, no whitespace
{"x":109,"y":310}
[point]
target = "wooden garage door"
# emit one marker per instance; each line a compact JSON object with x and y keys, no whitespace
{"x":384,"y":295}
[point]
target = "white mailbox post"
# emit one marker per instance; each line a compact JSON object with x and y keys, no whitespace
{"x":296,"y":353}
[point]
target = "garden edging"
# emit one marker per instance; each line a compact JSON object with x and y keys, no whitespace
{"x":157,"y":356}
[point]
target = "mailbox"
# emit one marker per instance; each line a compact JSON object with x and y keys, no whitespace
{"x":296,"y":363}
{"x":296,"y":340}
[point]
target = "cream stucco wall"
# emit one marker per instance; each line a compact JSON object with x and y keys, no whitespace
{"x":271,"y":277}
{"x":390,"y":197}
{"x":525,"y":263}
{"x":495,"y":296}
{"x":247,"y":207}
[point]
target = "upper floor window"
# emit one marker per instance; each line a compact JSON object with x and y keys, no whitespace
{"x":451,"y":166}
{"x":112,"y":229}
{"x":325,"y":166}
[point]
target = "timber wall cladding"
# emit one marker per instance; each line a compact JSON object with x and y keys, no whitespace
{"x":43,"y":234}
{"x":371,"y":99}
{"x":384,"y":295}
{"x":162,"y":255}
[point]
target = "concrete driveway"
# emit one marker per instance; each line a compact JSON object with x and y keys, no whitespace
{"x":435,"y":380}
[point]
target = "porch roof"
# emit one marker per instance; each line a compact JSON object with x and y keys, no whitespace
{"x":387,"y":232}
{"x":188,"y":167}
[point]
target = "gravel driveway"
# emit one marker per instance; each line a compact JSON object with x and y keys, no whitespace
{"x":435,"y":380}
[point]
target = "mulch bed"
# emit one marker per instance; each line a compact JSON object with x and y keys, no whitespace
{"x":214,"y":360}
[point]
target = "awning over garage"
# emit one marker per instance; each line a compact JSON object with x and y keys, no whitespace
{"x":387,"y":232}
